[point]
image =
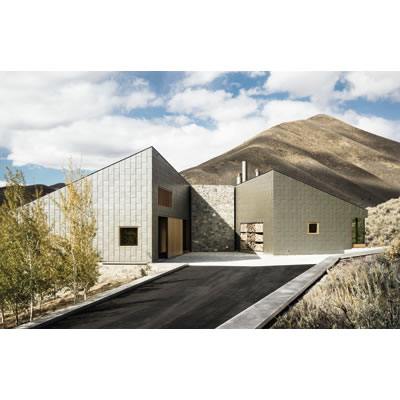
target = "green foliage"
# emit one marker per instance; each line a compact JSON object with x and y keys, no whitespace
{"x":78,"y":231}
{"x":35,"y":262}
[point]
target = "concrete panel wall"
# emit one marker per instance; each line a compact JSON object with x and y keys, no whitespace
{"x":296,"y":204}
{"x":254,"y":203}
{"x":213,"y":215}
{"x":122,"y":196}
{"x":167,"y":177}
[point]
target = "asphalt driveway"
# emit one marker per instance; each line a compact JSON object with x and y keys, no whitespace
{"x":193,"y":297}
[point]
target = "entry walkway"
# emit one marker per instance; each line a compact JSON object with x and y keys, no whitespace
{"x":243,"y":259}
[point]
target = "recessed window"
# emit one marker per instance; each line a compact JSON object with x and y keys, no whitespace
{"x":313,"y":228}
{"x":128,"y":236}
{"x":358,"y":231}
{"x":164,"y":197}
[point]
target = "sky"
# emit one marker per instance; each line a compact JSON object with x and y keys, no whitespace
{"x":97,"y":118}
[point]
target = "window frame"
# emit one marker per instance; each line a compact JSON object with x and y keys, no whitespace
{"x":119,"y":236}
{"x":308,"y":228}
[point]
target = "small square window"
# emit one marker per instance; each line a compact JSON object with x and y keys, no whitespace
{"x":313,"y":228}
{"x":128,"y":236}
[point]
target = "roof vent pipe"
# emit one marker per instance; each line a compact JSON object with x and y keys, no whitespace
{"x":257,"y":171}
{"x":239,"y":178}
{"x":244,"y":171}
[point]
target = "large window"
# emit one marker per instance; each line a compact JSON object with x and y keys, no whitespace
{"x":128,"y":236}
{"x":358,"y":231}
{"x":164,"y":197}
{"x":313,"y":228}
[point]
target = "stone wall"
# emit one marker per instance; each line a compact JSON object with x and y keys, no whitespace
{"x":213,"y":217}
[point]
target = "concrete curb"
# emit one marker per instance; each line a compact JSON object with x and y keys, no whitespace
{"x":261,"y":313}
{"x":109,"y":294}
{"x":366,"y":252}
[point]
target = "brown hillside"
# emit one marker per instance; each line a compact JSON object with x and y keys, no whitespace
{"x":31,"y":190}
{"x":322,"y":151}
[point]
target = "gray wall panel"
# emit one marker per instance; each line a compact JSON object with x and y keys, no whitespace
{"x":166,"y":176}
{"x":254,"y":203}
{"x":296,"y":204}
{"x":122,"y":196}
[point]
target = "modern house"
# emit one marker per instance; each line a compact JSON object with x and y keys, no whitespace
{"x":280,"y":215}
{"x":146,"y":210}
{"x":142,"y":207}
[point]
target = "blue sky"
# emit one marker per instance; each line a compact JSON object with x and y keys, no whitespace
{"x":99,"y":118}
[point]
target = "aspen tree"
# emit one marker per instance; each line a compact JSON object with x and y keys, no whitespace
{"x":78,"y":231}
{"x":14,"y":272}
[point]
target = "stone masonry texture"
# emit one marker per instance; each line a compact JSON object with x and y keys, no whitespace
{"x":213,"y":216}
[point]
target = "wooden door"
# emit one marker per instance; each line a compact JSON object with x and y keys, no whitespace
{"x":175,"y":237}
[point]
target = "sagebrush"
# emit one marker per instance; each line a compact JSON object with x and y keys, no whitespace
{"x":357,"y":293}
{"x":382,"y":226}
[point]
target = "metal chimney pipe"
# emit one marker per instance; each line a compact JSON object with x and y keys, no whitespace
{"x":244,"y":171}
{"x":239,"y":178}
{"x":257,"y":171}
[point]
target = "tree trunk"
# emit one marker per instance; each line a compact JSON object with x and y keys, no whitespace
{"x":16,"y":315}
{"x":40,"y":302}
{"x":3,"y":318}
{"x":31,"y":307}
{"x":75,"y":293}
{"x":84,"y":294}
{"x":75,"y":285}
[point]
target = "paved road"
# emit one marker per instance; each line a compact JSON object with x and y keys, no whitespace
{"x":194,"y":297}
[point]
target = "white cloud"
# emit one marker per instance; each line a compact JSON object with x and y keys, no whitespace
{"x":45,"y":119}
{"x":3,"y":183}
{"x":99,"y":142}
{"x":200,"y":77}
{"x":371,"y":85}
{"x":370,"y":123}
{"x":103,"y":141}
{"x":278,"y":111}
{"x":37,"y":100}
{"x":256,"y":74}
{"x":319,"y":86}
{"x":218,"y":105}
{"x":45,"y":100}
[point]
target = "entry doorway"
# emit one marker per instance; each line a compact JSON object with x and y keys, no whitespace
{"x":170,"y":237}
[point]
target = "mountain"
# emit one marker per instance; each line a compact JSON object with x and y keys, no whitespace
{"x":31,"y":190}
{"x":321,"y":151}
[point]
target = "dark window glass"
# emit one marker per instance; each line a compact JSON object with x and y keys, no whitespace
{"x":128,"y":236}
{"x":313,"y":228}
{"x":358,"y":231}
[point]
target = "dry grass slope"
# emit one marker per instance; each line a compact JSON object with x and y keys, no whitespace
{"x":383,"y":223}
{"x":357,"y":293}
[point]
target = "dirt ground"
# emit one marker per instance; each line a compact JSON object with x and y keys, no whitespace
{"x":53,"y":304}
